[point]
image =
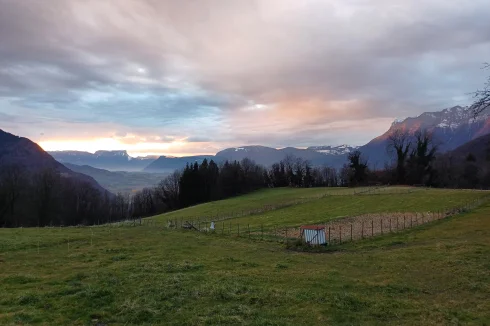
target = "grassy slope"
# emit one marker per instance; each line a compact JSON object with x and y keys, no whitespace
{"x":435,"y":274}
{"x":255,"y":200}
{"x":318,"y":210}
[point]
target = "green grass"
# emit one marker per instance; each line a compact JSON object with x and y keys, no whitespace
{"x":252,"y":201}
{"x":435,"y":274}
{"x":270,"y":198}
{"x":318,"y":209}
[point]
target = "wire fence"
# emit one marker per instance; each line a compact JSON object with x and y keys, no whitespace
{"x":336,"y":231}
{"x":370,"y":191}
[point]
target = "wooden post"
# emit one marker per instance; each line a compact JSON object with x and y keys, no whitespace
{"x":223,"y":229}
{"x":328,"y":235}
{"x":404,"y":217}
{"x":372,"y":227}
{"x":390,"y":224}
{"x":397,"y":224}
{"x":381,"y":221}
{"x":229,"y":229}
{"x":287,"y":240}
{"x":411,"y":220}
{"x":351,"y":232}
{"x":340,"y":233}
{"x":362,"y":230}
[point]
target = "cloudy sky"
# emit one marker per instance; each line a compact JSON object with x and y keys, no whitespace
{"x":195,"y":76}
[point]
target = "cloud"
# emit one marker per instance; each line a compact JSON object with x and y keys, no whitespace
{"x":274,"y":72}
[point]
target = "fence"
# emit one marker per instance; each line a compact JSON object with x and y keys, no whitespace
{"x":336,"y":231}
{"x":368,"y":191}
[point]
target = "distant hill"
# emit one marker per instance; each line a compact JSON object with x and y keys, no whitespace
{"x":451,"y":128}
{"x":166,"y":164}
{"x":119,"y":181}
{"x":107,"y":160}
{"x":21,"y":151}
{"x":479,"y":148}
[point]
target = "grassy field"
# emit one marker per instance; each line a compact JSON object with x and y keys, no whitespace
{"x":435,"y":274}
{"x":318,"y":205}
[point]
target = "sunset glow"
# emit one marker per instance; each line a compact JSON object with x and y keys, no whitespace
{"x":176,"y":148}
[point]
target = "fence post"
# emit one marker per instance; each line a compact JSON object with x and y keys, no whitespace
{"x":411,"y":220}
{"x":390,"y":224}
{"x":362,"y":230}
{"x":351,"y":232}
{"x":328,"y":235}
{"x":372,"y":228}
{"x":397,"y":223}
{"x":381,"y":221}
{"x":223,"y":229}
{"x":229,"y":229}
{"x":404,"y":218}
{"x":340,"y":233}
{"x":238,"y":229}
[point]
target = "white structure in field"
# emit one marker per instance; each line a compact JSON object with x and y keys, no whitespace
{"x":313,"y":234}
{"x":213,"y":226}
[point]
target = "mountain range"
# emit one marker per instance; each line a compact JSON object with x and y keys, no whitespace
{"x":15,"y":150}
{"x":109,"y":160}
{"x":450,"y":128}
{"x":167,"y":164}
{"x":334,"y":150}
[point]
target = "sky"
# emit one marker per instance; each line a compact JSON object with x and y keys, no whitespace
{"x":197,"y":76}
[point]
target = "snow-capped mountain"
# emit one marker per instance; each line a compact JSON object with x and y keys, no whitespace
{"x":450,"y":128}
{"x":267,"y":156}
{"x":334,"y":150}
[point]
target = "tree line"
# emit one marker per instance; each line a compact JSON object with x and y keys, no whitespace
{"x":46,"y":198}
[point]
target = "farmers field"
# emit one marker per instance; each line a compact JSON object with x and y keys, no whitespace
{"x":432,"y":274}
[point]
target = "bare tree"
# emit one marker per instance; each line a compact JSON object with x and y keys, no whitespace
{"x":482,"y":96}
{"x":168,"y":190}
{"x":12,"y":180}
{"x":399,"y":143}
{"x":358,"y":167}
{"x":421,"y":158}
{"x":46,"y":189}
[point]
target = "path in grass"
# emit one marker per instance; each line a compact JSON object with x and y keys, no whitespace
{"x":432,"y":275}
